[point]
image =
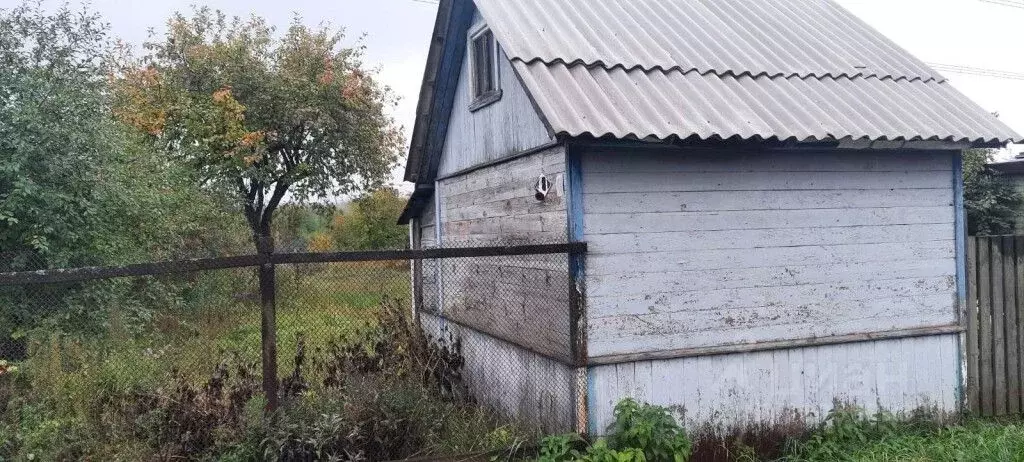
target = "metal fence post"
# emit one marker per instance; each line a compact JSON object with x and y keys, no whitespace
{"x":578,"y":339}
{"x":268,"y":325}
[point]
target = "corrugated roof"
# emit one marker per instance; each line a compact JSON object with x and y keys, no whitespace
{"x":771,"y":69}
{"x":641,"y":104}
{"x":726,"y":37}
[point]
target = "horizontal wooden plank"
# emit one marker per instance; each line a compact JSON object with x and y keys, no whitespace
{"x":804,"y":162}
{"x":598,"y":264}
{"x":777,"y":345}
{"x":763,"y":219}
{"x":708,"y":201}
{"x":782,"y":297}
{"x":798,"y":386}
{"x":642,"y":283}
{"x":523,"y":205}
{"x":755,"y":238}
{"x":758,"y":181}
{"x":637,"y":334}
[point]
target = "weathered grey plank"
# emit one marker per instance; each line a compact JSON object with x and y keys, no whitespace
{"x":598,"y":264}
{"x":688,"y":329}
{"x":987,"y":376}
{"x":746,"y":390}
{"x":762,"y":219}
{"x":998,"y":328}
{"x":782,"y":297}
{"x":1013,"y":384}
{"x":642,"y":283}
{"x":672,"y":241}
{"x":797,"y":162}
{"x":1019,"y":308}
{"x":973,"y":379}
{"x":760,"y":200}
{"x":627,"y":181}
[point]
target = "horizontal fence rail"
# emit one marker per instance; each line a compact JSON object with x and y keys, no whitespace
{"x":51,"y":276}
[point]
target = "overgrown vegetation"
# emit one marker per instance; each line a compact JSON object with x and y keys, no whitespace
{"x":991,"y":204}
{"x":641,"y":432}
{"x":376,"y":389}
{"x":850,"y":435}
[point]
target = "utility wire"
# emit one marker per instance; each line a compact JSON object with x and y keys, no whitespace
{"x":1009,"y":3}
{"x":978,"y":71}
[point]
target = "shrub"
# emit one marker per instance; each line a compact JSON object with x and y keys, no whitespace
{"x":640,"y":433}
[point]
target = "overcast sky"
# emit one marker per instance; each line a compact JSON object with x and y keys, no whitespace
{"x":957,"y":32}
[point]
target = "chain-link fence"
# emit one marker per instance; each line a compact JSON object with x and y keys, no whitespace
{"x":378,"y":354}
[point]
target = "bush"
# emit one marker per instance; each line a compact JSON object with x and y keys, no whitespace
{"x":640,"y":433}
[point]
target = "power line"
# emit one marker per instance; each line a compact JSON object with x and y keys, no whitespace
{"x":1009,"y":3}
{"x":429,"y":2}
{"x":978,"y":71}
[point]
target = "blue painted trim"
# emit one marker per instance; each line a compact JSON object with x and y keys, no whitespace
{"x":960,"y":225}
{"x":577,"y":263}
{"x":447,"y":83}
{"x":961,"y":229}
{"x":574,"y":173}
{"x":591,"y":401}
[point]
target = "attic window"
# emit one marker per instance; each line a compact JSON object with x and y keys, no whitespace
{"x":484,"y":69}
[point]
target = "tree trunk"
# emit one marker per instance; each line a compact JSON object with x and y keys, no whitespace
{"x":268,"y":327}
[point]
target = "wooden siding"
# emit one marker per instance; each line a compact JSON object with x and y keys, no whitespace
{"x":524,"y":300}
{"x":496,"y":204}
{"x":785,"y":388}
{"x":506,"y":127}
{"x":698,"y":248}
{"x":522,"y":385}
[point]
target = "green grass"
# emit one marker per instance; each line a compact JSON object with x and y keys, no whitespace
{"x":851,"y":437}
{"x":77,"y":397}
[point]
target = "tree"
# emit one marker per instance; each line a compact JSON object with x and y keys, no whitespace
{"x":262,"y":116}
{"x":77,"y":187}
{"x":54,"y":132}
{"x":370,"y":223}
{"x":991,"y":203}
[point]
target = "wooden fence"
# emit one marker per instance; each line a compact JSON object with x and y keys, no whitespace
{"x":995,"y":324}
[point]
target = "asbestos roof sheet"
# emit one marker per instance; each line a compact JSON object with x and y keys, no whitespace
{"x":759,"y":37}
{"x":754,"y":69}
{"x":642,"y":104}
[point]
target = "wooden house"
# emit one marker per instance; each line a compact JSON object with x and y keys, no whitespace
{"x":770,"y":191}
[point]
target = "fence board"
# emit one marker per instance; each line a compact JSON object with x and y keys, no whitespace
{"x":998,"y":328}
{"x":984,"y":290}
{"x":1019,"y":287}
{"x":973,"y":383}
{"x":1011,"y":325}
